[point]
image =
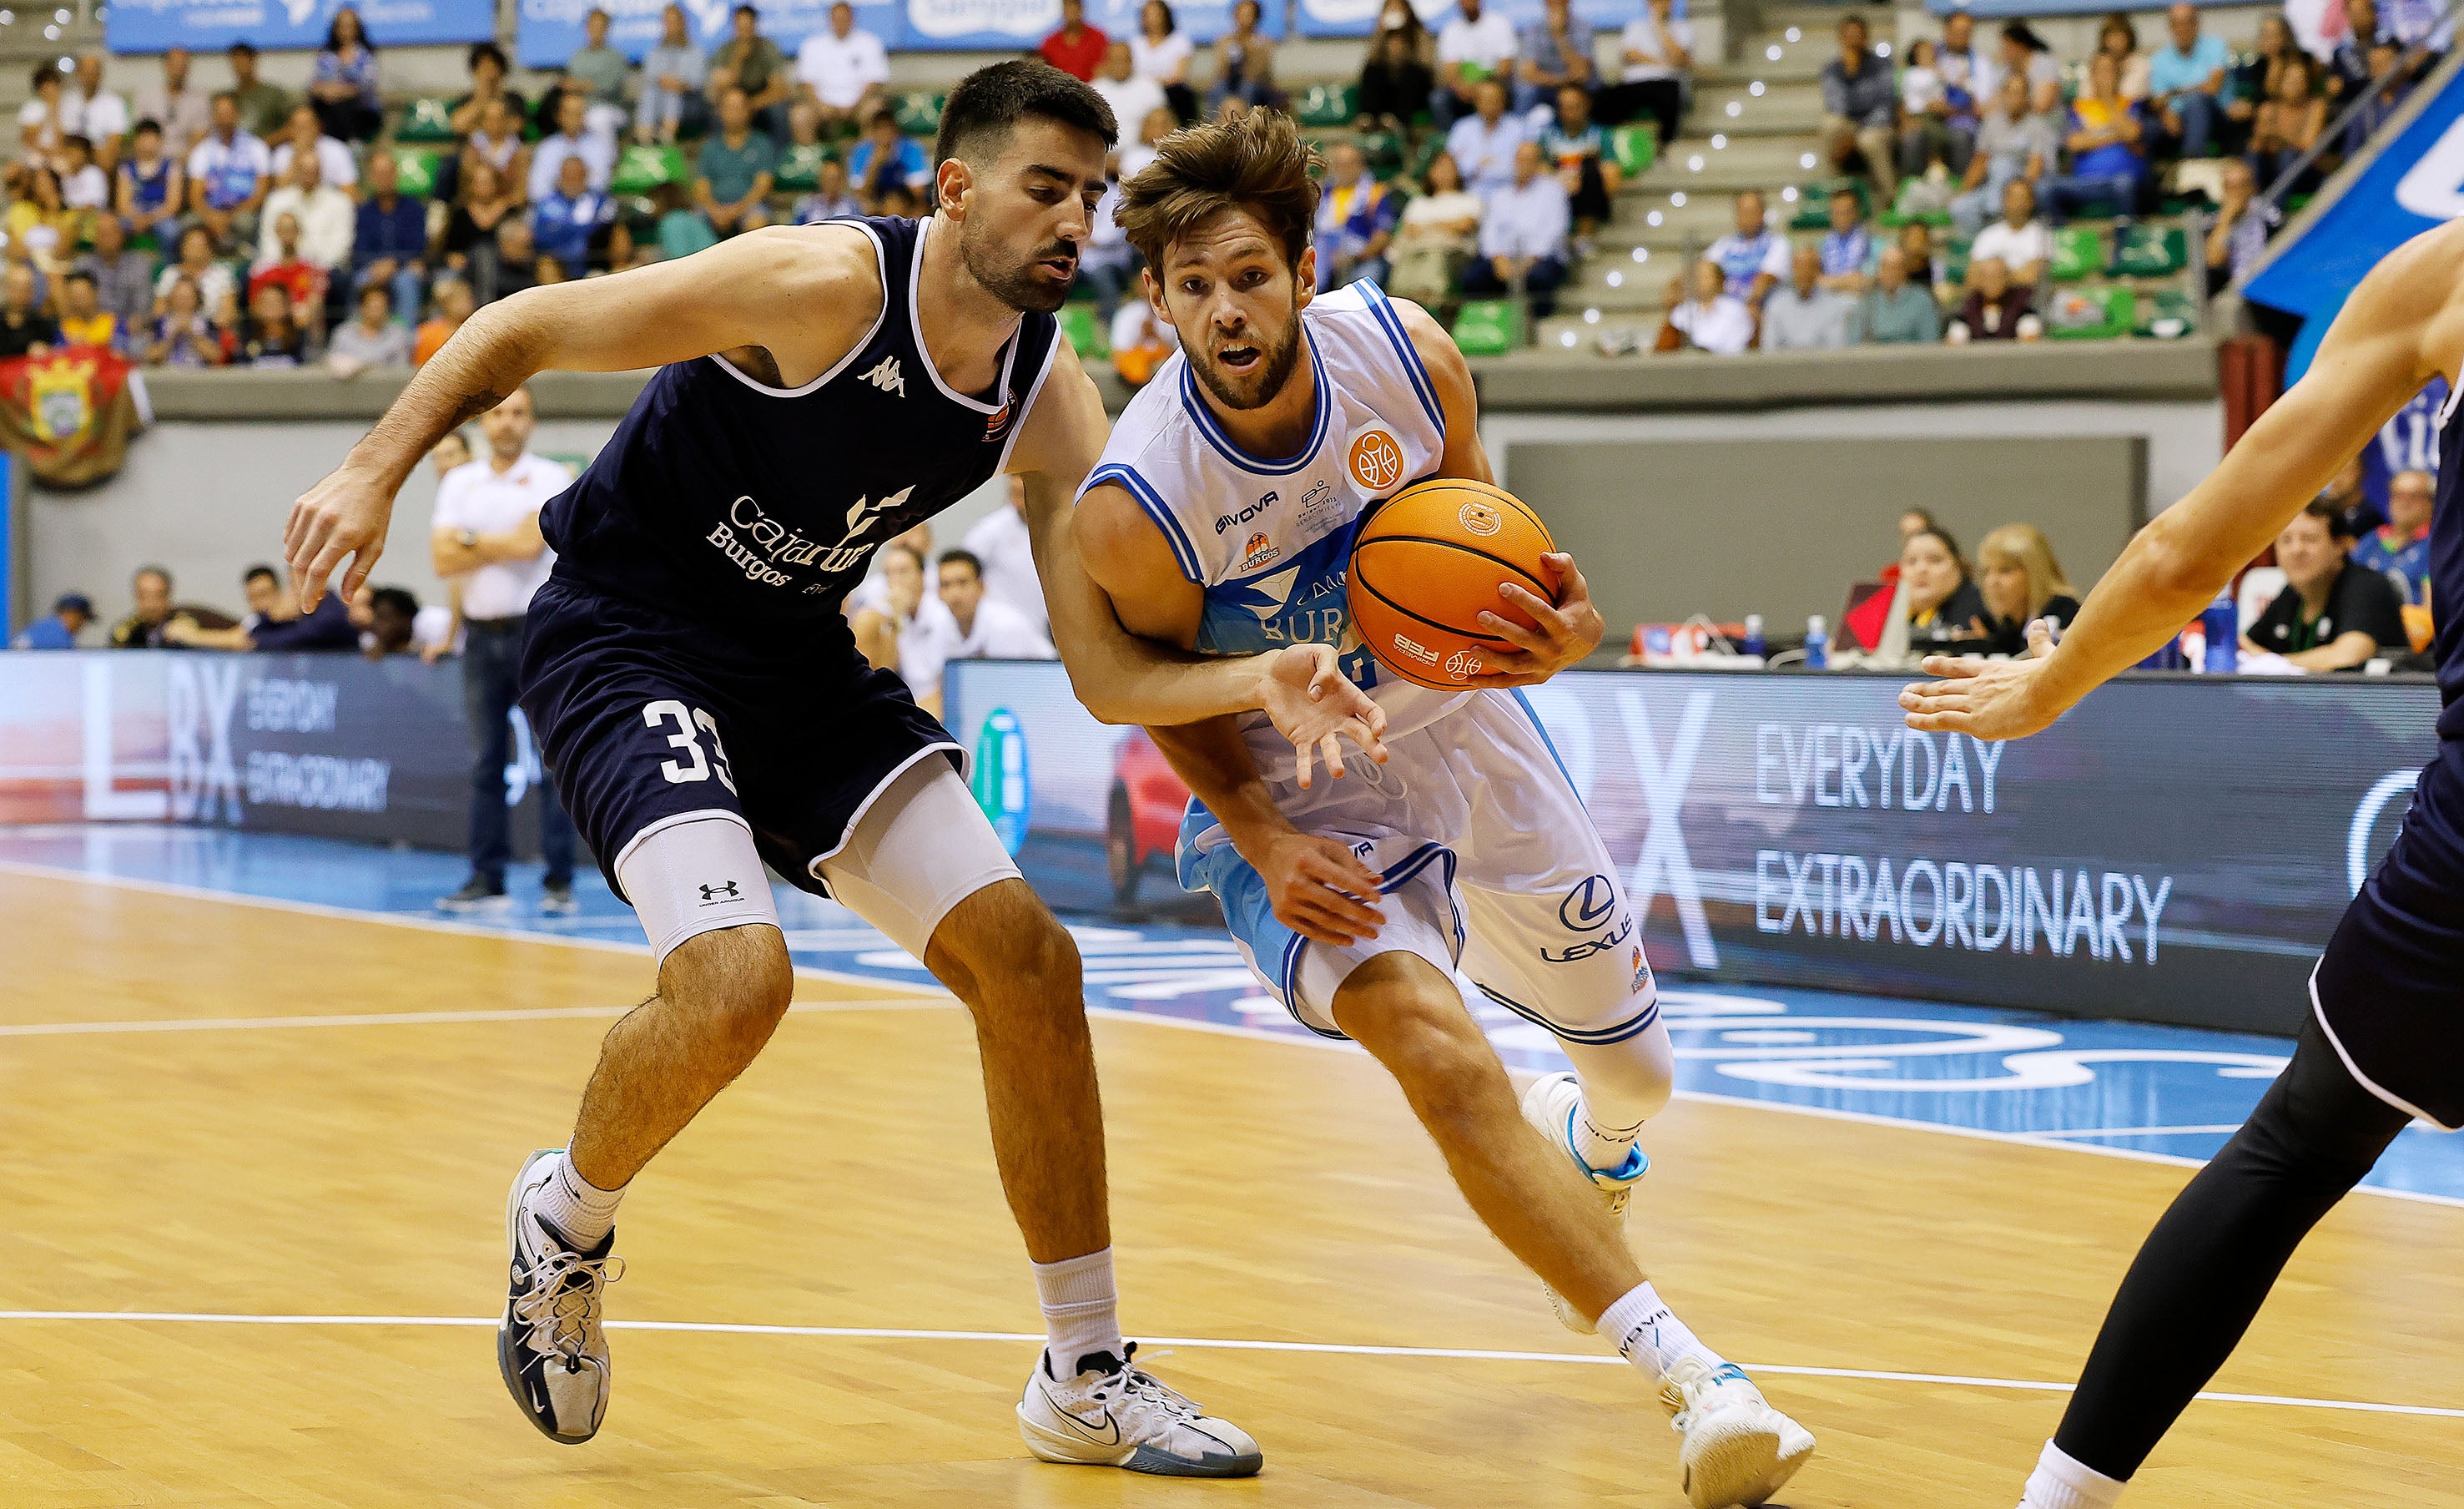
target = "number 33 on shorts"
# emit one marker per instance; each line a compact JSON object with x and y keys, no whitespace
{"x":679,"y":722}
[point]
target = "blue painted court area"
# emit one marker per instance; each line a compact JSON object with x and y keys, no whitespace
{"x":2111,"y":1087}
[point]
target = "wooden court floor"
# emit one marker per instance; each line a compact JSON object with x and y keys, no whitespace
{"x":1263,"y":1191}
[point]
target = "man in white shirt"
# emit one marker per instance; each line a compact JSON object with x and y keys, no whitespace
{"x":999,"y":542}
{"x":89,"y":110}
{"x":328,"y":220}
{"x":334,"y":162}
{"x":1523,"y":236}
{"x":572,"y":138}
{"x":1472,"y":46}
{"x":176,"y":105}
{"x":2019,"y":239}
{"x":1710,"y":317}
{"x":1752,"y":257}
{"x":1130,"y":97}
{"x":1658,"y":50}
{"x":485,"y":539}
{"x":842,"y":69}
{"x":1484,"y":143}
{"x":988,"y":627}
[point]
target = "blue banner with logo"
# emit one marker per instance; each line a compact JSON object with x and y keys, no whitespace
{"x":1359,"y":17}
{"x":548,"y":32}
{"x":154,"y":25}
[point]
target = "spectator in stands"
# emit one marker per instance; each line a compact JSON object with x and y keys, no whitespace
{"x":1944,"y":610}
{"x":82,"y":184}
{"x":389,"y":235}
{"x":1473,"y":46}
{"x":177,"y":106}
{"x":2020,"y":584}
{"x":83,"y":321}
{"x":2421,"y":28}
{"x":2289,"y":123}
{"x":2348,"y":65}
{"x":1895,"y":311}
{"x":272,"y":335}
{"x":884,"y":158}
{"x":1136,"y":156}
{"x":497,"y":144}
{"x":910,"y":633}
{"x":2333,"y":614}
{"x":829,"y":199}
{"x":999,"y":544}
{"x":1752,"y":257}
{"x":455,"y":304}
{"x":2026,"y":53}
{"x":1245,"y":63}
{"x":1395,"y":81}
{"x":44,"y":227}
{"x":518,"y":262}
{"x":2250,"y":82}
{"x":682,"y":231}
{"x":39,"y":120}
{"x":1861,"y":109}
{"x":1355,"y":221}
{"x":1803,"y":315}
{"x":1846,"y":254}
{"x":1130,"y":96}
{"x":468,"y":245}
{"x":344,"y":89}
{"x":2389,"y":84}
{"x":753,"y":63}
{"x":2108,"y":164}
{"x":1160,"y":54}
{"x":1523,"y":236}
{"x":2185,"y":83}
{"x":988,"y":627}
{"x":2344,"y":491}
{"x":1997,"y":308}
{"x":731,"y":178}
{"x":197,"y":264}
{"x":1657,"y":52}
{"x":273,"y":623}
{"x":1075,"y":46}
{"x":573,"y":139}
{"x":372,"y":340}
{"x":1577,"y":149}
{"x":1926,"y":270}
{"x":2019,"y":239}
{"x":1483,"y":143}
{"x":67,"y":619}
{"x":1552,"y":52}
{"x":94,"y":112}
{"x":572,"y":224}
{"x":303,"y":132}
{"x":1925,"y":112}
{"x":392,"y":624}
{"x":488,"y":69}
{"x":229,"y":175}
{"x":673,"y":75}
{"x":2117,"y":38}
{"x":123,"y":279}
{"x":2240,"y":230}
{"x":842,"y":69}
{"x":328,"y":221}
{"x":144,"y":628}
{"x":601,"y":72}
{"x":1109,"y":264}
{"x":2400,"y":549}
{"x":1438,"y":233}
{"x":182,"y":336}
{"x":152,"y":190}
{"x":2012,"y":143}
{"x":1707,"y":315}
{"x":263,"y":106}
{"x":1965,"y":65}
{"x":1140,"y":341}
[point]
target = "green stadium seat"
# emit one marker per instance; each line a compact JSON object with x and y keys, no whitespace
{"x":1384,"y":150}
{"x":426,"y":120}
{"x":800,"y":168}
{"x":642,"y":168}
{"x":1488,"y":327}
{"x":1085,"y":328}
{"x":2079,"y":252}
{"x":918,"y":111}
{"x":1324,"y":106}
{"x":2172,"y":315}
{"x":1814,"y":202}
{"x":1634,"y":150}
{"x":1955,"y":262}
{"x":2148,"y":251}
{"x":416,"y":170}
{"x":2091,"y":314}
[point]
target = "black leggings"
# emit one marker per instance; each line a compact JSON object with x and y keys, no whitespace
{"x":2206,"y":1269}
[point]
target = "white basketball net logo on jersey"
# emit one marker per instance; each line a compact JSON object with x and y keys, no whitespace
{"x":886,"y":377}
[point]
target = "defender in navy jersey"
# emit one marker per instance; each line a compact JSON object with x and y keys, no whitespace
{"x":703,"y":708}
{"x":2383,"y":1042}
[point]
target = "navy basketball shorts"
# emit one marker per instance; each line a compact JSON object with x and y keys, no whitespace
{"x":649,"y":721}
{"x":2389,"y":989}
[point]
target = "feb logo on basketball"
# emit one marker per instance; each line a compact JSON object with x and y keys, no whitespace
{"x":1478,"y":519}
{"x":1376,"y":460}
{"x":1463,"y":665}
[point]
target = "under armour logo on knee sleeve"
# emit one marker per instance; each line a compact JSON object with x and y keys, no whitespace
{"x":713,"y":894}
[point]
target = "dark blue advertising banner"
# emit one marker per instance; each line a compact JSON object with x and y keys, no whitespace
{"x":2176,"y":849}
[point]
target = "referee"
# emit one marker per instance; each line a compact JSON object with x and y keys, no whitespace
{"x":486,"y":541}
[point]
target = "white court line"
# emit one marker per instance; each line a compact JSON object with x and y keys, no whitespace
{"x":249,"y":1024}
{"x":1195,"y":1343}
{"x":2039,"y":1140}
{"x":2228,"y":1128}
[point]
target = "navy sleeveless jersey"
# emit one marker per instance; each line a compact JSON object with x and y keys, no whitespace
{"x":730,"y":504}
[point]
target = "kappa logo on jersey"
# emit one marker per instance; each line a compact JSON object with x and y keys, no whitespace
{"x":1233,"y":520}
{"x":1259,"y":552}
{"x":1478,"y":519}
{"x":886,"y":378}
{"x":1376,"y":460}
{"x":1589,"y":904}
{"x":1415,"y":649}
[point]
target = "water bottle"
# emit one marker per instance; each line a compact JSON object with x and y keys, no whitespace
{"x":1817,"y":643}
{"x":1754,"y":644}
{"x":2222,"y":622}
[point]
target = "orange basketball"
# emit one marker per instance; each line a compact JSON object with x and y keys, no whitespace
{"x":1428,"y":562}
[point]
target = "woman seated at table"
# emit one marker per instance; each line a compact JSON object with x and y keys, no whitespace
{"x":1944,"y":610}
{"x":2020,"y":582}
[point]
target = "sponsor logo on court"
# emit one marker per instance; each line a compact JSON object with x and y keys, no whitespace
{"x":1415,"y":649}
{"x":1589,"y":904}
{"x":887,"y":377}
{"x":1462,"y":663}
{"x":1376,"y":460}
{"x":1478,"y":519}
{"x":1233,"y":520}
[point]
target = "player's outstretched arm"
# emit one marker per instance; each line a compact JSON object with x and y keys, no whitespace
{"x":1125,"y":619}
{"x":2401,"y":325}
{"x":804,"y":298}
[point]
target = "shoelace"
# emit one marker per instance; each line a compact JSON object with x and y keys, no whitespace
{"x":1144,"y":1391}
{"x":563,"y":1297}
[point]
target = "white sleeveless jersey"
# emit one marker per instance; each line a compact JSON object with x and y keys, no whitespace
{"x":1270,"y":542}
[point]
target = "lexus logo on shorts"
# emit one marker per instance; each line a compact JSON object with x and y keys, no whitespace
{"x":724,"y":891}
{"x":1589,"y":904}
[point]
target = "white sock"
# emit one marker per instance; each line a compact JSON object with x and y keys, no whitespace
{"x":574,"y":1206}
{"x":1604,"y":1148}
{"x":1081,"y":1310}
{"x":2062,"y":1481}
{"x":1646,"y":1334}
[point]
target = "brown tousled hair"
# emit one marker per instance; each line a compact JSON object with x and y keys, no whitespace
{"x":1256,"y":162}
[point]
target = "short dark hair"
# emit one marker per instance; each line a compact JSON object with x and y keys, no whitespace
{"x":43,"y":71}
{"x":990,"y":100}
{"x":1950,"y":544}
{"x":966,"y":558}
{"x":241,"y":50}
{"x":1855,"y":19}
{"x":397,"y":598}
{"x":1256,"y":162}
{"x":163,"y":572}
{"x":1847,"y":191}
{"x":149,"y":124}
{"x":263,"y":571}
{"x":78,"y":139}
{"x":755,"y":11}
{"x":485,"y":49}
{"x":376,"y":286}
{"x":78,"y":274}
{"x":2340,"y":523}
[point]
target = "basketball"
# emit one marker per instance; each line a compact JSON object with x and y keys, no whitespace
{"x":1428,"y":562}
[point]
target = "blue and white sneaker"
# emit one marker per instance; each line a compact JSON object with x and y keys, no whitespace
{"x":1738,"y":1450}
{"x":550,"y":1345}
{"x":1112,"y":1414}
{"x":1551,"y":1103}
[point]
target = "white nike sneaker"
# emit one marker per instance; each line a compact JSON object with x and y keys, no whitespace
{"x":1551,"y":1104}
{"x":1115,"y":1414}
{"x":550,"y":1346}
{"x":1738,"y":1449}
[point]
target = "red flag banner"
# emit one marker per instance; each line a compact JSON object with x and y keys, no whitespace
{"x":70,"y":412}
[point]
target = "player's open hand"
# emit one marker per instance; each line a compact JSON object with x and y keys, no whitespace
{"x":343,"y":517}
{"x":1315,"y":705}
{"x":1567,"y":630}
{"x":1987,"y":700}
{"x":1319,"y":888}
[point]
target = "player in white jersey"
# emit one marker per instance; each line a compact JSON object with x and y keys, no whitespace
{"x":1364,"y":904}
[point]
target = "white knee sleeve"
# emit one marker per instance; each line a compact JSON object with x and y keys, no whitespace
{"x":1627,"y":1083}
{"x":694,"y":873}
{"x":919,"y":849}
